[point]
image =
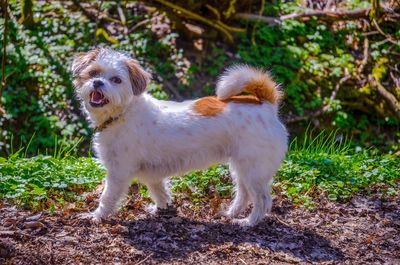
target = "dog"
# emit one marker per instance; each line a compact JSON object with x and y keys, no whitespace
{"x":138,"y":136}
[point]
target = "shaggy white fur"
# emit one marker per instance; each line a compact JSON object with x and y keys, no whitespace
{"x":152,"y":139}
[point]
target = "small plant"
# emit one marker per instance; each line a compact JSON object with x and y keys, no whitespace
{"x":200,"y":184}
{"x":47,"y":181}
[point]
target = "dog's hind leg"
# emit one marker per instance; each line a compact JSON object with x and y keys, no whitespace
{"x":241,"y":197}
{"x":160,"y":194}
{"x":257,"y":179}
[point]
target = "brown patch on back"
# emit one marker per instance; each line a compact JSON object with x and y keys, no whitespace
{"x":209,"y":106}
{"x":212,"y":106}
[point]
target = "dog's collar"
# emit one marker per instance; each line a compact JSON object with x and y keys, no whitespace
{"x":107,"y":123}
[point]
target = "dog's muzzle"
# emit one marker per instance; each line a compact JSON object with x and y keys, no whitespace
{"x":97,"y":98}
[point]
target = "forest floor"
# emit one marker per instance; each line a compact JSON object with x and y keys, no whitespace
{"x":361,"y":231}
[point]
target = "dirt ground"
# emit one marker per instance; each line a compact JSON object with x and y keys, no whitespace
{"x":362,"y":231}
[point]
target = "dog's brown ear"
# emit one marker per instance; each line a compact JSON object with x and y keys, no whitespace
{"x":138,"y":76}
{"x":82,"y":60}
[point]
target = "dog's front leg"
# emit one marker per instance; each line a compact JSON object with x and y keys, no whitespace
{"x":115,"y":189}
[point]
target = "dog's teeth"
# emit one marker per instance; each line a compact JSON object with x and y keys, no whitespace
{"x":96,"y":97}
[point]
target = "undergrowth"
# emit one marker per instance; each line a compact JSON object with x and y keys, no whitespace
{"x":46,"y":181}
{"x":321,"y":165}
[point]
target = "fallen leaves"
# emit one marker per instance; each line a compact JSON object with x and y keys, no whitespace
{"x":362,"y":231}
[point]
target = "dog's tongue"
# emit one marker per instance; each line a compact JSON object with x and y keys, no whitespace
{"x":96,"y":97}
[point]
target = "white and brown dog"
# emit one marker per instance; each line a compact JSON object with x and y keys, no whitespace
{"x":139,"y":136}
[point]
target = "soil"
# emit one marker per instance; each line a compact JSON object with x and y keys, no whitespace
{"x":362,"y":231}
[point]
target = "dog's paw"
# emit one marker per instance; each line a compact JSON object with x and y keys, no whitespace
{"x":222,"y":214}
{"x":227,"y":213}
{"x":154,"y":210}
{"x":244,"y":222}
{"x":90,"y":217}
{"x":151,"y":209}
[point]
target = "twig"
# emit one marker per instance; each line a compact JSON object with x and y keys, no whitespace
{"x":326,"y":107}
{"x":321,"y":14}
{"x":365,"y":57}
{"x":370,"y":33}
{"x":214,"y":10}
{"x":252,"y":17}
{"x":336,"y":90}
{"x":388,"y":37}
{"x":283,"y":222}
{"x":143,"y":260}
{"x":395,"y":80}
{"x":139,"y":24}
{"x":122,"y":17}
{"x":244,"y":262}
{"x":172,"y":89}
{"x":388,"y":97}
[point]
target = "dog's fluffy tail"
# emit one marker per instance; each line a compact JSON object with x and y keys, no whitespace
{"x":243,"y":78}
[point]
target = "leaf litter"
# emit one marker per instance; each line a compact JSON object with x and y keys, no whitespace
{"x":363,"y":231}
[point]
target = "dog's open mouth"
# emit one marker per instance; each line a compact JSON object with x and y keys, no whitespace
{"x":97,"y":99}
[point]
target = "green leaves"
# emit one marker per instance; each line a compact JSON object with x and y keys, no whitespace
{"x":36,"y":181}
{"x":336,"y":174}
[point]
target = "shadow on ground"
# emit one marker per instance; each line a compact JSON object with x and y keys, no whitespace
{"x":171,"y":237}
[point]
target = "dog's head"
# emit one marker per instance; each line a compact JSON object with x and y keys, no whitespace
{"x":105,"y":79}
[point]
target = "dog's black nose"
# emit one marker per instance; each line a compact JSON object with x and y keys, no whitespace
{"x":97,"y":83}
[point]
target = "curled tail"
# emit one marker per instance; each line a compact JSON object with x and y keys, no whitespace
{"x":243,"y":78}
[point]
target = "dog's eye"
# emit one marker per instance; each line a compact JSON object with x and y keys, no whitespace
{"x":93,"y":73}
{"x":116,"y":79}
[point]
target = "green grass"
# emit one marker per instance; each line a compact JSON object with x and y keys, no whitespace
{"x":316,"y":166}
{"x":324,"y":165}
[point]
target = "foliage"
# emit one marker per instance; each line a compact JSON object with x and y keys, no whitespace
{"x":47,"y":181}
{"x":323,"y":166}
{"x":325,"y":72}
{"x":39,"y":97}
{"x":200,"y":184}
{"x":309,"y":58}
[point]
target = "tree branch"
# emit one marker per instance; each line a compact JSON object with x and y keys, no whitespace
{"x":320,"y":14}
{"x":388,"y":97}
{"x":218,"y":25}
{"x":94,"y":17}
